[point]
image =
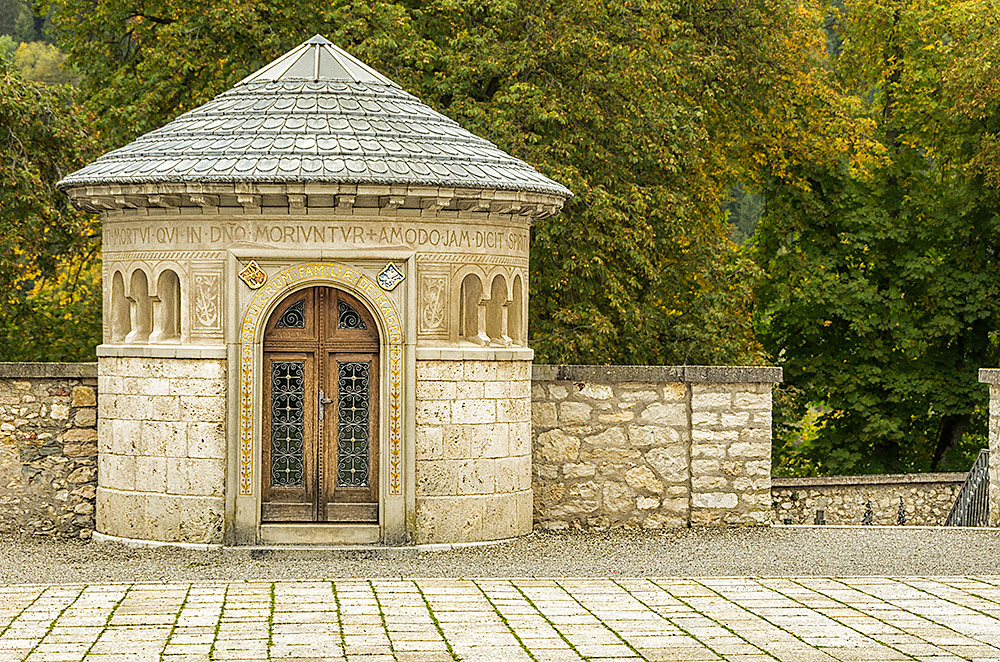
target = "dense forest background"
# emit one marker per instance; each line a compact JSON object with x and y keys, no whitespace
{"x":801,"y":182}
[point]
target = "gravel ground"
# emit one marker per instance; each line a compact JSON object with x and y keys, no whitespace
{"x":778,"y":551}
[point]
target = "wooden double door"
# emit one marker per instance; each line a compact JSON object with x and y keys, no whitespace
{"x":320,"y":410}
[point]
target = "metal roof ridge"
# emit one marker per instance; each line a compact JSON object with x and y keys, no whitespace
{"x":291,"y":57}
{"x":354,"y":70}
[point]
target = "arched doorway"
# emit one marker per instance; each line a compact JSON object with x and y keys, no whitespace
{"x":320,"y":410}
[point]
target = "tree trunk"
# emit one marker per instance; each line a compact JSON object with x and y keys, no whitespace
{"x":949,"y":434}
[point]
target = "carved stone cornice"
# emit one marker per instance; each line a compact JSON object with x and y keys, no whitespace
{"x":193,"y":198}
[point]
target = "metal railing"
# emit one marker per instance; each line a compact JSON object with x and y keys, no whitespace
{"x":972,"y":504}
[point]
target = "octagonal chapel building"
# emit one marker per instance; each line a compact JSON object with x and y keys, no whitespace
{"x":315,"y":312}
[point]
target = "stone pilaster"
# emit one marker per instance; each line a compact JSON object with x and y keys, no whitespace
{"x":991,"y":376}
{"x":730,"y":453}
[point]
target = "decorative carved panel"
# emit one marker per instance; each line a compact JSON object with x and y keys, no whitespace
{"x":432,"y":309}
{"x":206,"y":304}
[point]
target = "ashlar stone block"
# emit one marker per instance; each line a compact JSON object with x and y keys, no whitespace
{"x":428,"y":390}
{"x":429,"y":442}
{"x":456,"y":441}
{"x":469,"y":390}
{"x":476,"y":476}
{"x":206,"y":440}
{"x":443,"y":371}
{"x":473,"y":411}
{"x":433,"y":412}
{"x":436,"y":478}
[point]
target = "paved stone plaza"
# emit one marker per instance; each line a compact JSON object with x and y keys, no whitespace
{"x":738,"y":619}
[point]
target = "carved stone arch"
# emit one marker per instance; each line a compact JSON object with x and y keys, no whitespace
{"x":119,"y":315}
{"x":383,"y":311}
{"x":468,"y":314}
{"x":140,"y":303}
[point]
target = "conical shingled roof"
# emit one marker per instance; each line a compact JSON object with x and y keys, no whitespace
{"x":316,"y":114}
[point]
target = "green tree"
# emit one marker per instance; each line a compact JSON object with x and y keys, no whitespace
{"x":883,"y":288}
{"x":744,"y":209}
{"x":647,"y":109}
{"x":7,"y":49}
{"x":49,"y":274}
{"x":20,"y":20}
{"x":42,"y":62}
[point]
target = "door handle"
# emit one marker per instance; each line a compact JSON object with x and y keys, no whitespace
{"x":323,"y":401}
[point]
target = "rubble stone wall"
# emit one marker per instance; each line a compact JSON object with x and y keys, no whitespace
{"x":926,"y":499}
{"x":651,"y":447}
{"x":48,"y":448}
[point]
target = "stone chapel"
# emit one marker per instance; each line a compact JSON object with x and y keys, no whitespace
{"x":313,"y":285}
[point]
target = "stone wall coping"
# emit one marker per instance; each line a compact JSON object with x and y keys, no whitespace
{"x":474,"y":354}
{"x":16,"y":370}
{"x":805,"y":482}
{"x":723,"y":374}
{"x":163,"y":351}
{"x":989,"y":375}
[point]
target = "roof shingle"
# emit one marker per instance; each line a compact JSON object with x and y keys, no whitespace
{"x":316,"y":114}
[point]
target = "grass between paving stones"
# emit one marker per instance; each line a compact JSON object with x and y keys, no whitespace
{"x":601,"y":621}
{"x":940,"y":597}
{"x":503,"y":619}
{"x":546,"y":619}
{"x":29,"y":606}
{"x":52,"y":623}
{"x":689,"y":606}
{"x":270,"y":623}
{"x":437,"y":623}
{"x":763,"y":618}
{"x":107,"y":621}
{"x":177,"y":617}
{"x":340,"y":617}
{"x":381,"y":615}
{"x":905,"y":610}
{"x":848,"y":606}
{"x":218,"y":623}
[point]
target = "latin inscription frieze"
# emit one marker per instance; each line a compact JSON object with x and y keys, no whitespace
{"x":122,"y":236}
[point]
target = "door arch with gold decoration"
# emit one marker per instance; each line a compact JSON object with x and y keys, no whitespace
{"x":320,"y":410}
